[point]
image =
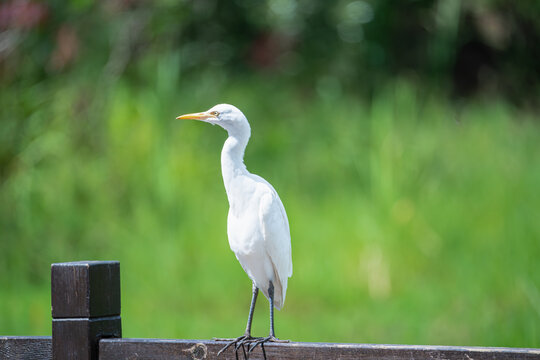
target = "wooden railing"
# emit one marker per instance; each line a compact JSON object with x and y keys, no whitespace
{"x":86,"y":325}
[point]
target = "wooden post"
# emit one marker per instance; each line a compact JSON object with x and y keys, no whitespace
{"x":85,"y":307}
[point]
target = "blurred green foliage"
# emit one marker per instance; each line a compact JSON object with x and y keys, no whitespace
{"x":414,"y":215}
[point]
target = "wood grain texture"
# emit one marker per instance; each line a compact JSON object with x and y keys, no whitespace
{"x":141,"y":349}
{"x":25,"y":348}
{"x":40,"y":348}
{"x":85,"y":289}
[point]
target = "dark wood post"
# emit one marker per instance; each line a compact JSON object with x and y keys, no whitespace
{"x":85,"y":307}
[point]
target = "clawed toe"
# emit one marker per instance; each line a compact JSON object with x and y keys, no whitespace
{"x":250,"y":342}
{"x":261,"y":341}
{"x":238,"y":343}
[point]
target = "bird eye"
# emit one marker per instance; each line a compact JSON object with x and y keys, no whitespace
{"x":215,"y":113}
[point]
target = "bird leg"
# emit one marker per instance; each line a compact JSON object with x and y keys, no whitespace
{"x":246,"y":338}
{"x":253,"y":343}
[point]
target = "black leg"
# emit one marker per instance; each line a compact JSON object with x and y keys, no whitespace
{"x":271,"y":293}
{"x":255,"y":292}
{"x":272,"y":336}
{"x":241,"y":340}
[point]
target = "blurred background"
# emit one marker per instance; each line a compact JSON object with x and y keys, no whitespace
{"x":403,"y":138}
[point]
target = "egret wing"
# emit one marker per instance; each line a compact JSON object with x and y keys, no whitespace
{"x":277,"y":240}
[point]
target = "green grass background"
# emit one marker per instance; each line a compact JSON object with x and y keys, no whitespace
{"x":414,"y":220}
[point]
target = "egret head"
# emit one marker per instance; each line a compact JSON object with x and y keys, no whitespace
{"x":225,"y":115}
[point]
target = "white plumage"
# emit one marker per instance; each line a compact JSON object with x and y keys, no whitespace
{"x":258,"y":233}
{"x":257,"y":225}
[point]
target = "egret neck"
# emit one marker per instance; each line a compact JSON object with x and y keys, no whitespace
{"x":232,"y":155}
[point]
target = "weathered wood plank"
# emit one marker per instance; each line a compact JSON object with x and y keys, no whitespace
{"x":25,"y":348}
{"x":141,"y":349}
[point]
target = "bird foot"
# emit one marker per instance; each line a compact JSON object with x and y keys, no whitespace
{"x":238,"y":343}
{"x":261,"y":341}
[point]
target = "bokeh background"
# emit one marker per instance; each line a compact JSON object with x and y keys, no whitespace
{"x":403,"y":138}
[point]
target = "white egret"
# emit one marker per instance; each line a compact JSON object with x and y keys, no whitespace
{"x":257,"y":225}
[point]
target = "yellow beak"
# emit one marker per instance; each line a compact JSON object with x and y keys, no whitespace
{"x":196,"y":116}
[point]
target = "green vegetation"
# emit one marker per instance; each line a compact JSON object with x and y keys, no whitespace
{"x":413,"y":221}
{"x":403,"y":138}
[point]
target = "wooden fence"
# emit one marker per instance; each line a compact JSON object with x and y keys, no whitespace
{"x":86,"y":325}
